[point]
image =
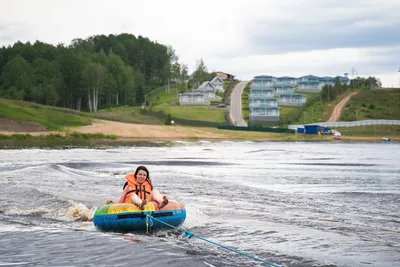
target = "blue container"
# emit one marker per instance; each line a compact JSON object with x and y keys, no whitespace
{"x":311,"y":129}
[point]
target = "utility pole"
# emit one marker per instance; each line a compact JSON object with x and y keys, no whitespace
{"x":399,"y":78}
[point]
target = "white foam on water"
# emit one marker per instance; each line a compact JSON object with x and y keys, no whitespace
{"x":13,"y":263}
{"x":21,"y":211}
{"x":194,"y":217}
{"x":22,"y":228}
{"x":79,"y":212}
{"x":208,"y":264}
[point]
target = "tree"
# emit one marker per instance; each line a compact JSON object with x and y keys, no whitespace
{"x":200,"y":74}
{"x":53,"y":75}
{"x":139,"y":95}
{"x":93,"y":77}
{"x":71,"y":66}
{"x":116,"y":67}
{"x":16,"y":80}
{"x":139,"y":84}
{"x":168,"y":121}
{"x":47,"y":79}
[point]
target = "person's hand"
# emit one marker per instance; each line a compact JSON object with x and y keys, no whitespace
{"x":109,"y":201}
{"x":144,"y":202}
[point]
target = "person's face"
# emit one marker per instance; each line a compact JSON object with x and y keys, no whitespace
{"x":141,"y":176}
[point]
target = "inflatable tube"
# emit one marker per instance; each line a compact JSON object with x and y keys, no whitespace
{"x":124,"y":218}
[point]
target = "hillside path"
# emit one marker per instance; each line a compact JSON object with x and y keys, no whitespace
{"x":335,"y":116}
{"x":236,"y":105}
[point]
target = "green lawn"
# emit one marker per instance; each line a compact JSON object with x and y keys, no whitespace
{"x":166,"y":96}
{"x":287,"y":111}
{"x":245,"y":103}
{"x":201,"y":113}
{"x":51,"y":117}
{"x":132,"y":113}
{"x":373,"y":104}
{"x":377,"y":130}
{"x":315,"y":110}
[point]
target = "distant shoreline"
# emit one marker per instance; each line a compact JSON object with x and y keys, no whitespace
{"x":128,"y":133}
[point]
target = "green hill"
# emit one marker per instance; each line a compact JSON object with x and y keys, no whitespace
{"x":373,"y":105}
{"x":51,"y":117}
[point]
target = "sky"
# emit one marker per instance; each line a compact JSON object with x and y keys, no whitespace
{"x":245,"y":38}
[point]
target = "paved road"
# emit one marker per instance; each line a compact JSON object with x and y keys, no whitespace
{"x":339,"y":107}
{"x":236,"y":104}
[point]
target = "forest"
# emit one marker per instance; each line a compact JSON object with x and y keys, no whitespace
{"x":88,"y":74}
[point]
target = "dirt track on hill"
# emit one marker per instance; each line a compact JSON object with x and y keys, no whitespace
{"x":337,"y":112}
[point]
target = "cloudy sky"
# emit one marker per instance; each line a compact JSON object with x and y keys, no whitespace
{"x":245,"y":38}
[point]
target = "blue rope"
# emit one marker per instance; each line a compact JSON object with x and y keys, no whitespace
{"x":188,"y":234}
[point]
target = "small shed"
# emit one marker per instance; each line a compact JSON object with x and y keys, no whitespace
{"x":316,"y":129}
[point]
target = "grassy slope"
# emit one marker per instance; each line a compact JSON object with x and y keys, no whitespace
{"x":245,"y":103}
{"x":201,"y":113}
{"x":164,"y":97}
{"x":373,"y":104}
{"x":167,"y":102}
{"x":134,"y":113}
{"x":377,"y":130}
{"x":311,"y":114}
{"x":51,"y":117}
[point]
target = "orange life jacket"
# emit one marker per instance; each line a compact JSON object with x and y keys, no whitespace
{"x":142,"y":190}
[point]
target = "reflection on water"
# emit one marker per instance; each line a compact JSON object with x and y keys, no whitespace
{"x":295,"y":204}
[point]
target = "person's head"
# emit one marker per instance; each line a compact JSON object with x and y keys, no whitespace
{"x":142,"y":174}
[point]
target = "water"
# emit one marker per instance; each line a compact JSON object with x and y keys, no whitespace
{"x":294,"y":204}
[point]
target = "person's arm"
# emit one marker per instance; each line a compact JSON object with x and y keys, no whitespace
{"x":126,"y":190}
{"x":122,"y":198}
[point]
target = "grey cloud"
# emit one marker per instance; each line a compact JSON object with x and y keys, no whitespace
{"x":319,"y":39}
{"x":12,"y":32}
{"x":324,"y":25}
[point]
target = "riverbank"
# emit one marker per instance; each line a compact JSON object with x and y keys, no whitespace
{"x":129,"y":132}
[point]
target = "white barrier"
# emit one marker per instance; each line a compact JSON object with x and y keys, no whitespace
{"x":349,"y":123}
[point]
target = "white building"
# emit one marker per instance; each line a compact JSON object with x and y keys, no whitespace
{"x":218,"y":84}
{"x":193,"y":98}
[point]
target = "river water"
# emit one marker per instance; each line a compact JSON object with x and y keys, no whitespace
{"x":293,"y":204}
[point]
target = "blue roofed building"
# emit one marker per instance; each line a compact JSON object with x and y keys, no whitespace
{"x":292,"y":99}
{"x":266,"y":113}
{"x":326,"y":80}
{"x":310,"y":84}
{"x":344,"y":80}
{"x":283,"y":89}
{"x":286,"y":80}
{"x":265,"y":88}
{"x":263,"y":81}
{"x":262,"y":103}
{"x":309,"y":78}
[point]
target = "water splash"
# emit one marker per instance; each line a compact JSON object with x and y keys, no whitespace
{"x":195,"y":217}
{"x":79,"y":212}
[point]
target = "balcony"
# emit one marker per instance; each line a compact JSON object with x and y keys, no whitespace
{"x":262,"y":85}
{"x":265,"y":95}
{"x":263,"y":105}
{"x":285,"y":82}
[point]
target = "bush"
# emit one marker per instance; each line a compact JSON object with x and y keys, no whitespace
{"x":168,"y":120}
